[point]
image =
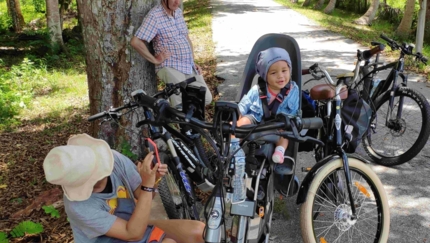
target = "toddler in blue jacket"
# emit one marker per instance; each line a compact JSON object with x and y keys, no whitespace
{"x":274,"y":67}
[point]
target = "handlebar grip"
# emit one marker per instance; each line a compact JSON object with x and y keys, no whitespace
{"x":97,"y":116}
{"x":312,"y":123}
{"x":384,"y":37}
{"x":190,"y":80}
{"x":369,"y":53}
{"x":143,"y":99}
{"x":305,"y":71}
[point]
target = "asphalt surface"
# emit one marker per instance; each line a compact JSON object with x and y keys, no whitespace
{"x":238,"y":24}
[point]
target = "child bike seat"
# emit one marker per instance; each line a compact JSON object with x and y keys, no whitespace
{"x":326,"y":92}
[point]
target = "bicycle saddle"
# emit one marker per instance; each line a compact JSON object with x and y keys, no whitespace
{"x":326,"y":92}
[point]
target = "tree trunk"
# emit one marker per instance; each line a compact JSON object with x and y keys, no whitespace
{"x":306,"y":3}
{"x":370,"y":14}
{"x":294,"y":1}
{"x":319,"y":4}
{"x":330,"y":7}
{"x":114,"y":69}
{"x":14,"y":10}
{"x":54,"y":24}
{"x":405,"y":25}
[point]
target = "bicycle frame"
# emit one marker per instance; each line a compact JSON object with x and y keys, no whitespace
{"x":397,"y":69}
{"x":184,"y":154}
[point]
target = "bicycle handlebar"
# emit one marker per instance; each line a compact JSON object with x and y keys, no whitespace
{"x":112,"y":112}
{"x":406,"y":49}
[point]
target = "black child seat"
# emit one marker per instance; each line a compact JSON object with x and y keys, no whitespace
{"x":246,"y":83}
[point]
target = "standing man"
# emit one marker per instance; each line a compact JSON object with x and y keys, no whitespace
{"x":174,"y":55}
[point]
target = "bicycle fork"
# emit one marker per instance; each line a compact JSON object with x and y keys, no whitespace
{"x":339,"y":143}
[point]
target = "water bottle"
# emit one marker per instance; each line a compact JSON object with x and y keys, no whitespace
{"x":375,"y":83}
{"x":239,"y":178}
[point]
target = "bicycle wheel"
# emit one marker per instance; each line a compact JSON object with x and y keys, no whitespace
{"x":173,"y":198}
{"x":398,"y":140}
{"x":325,"y":216}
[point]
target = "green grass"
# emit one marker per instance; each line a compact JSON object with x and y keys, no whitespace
{"x":341,"y":22}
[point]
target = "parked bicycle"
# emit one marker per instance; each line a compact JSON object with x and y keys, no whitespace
{"x":332,"y":194}
{"x":186,"y":159}
{"x":400,"y":126}
{"x":340,"y":194}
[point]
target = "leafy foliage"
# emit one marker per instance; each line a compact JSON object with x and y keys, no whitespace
{"x":3,"y":238}
{"x":125,"y":149}
{"x":26,"y":227}
{"x":51,"y":211}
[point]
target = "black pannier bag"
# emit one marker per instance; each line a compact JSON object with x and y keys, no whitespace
{"x":356,"y":115}
{"x":308,"y":110}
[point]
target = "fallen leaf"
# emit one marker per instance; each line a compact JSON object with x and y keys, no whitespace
{"x":3,"y":186}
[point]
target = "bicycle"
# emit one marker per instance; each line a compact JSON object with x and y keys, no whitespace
{"x":186,"y":158}
{"x":353,"y":198}
{"x":336,"y":189}
{"x":403,"y":129}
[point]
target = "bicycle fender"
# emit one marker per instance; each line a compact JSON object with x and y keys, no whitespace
{"x":304,"y":187}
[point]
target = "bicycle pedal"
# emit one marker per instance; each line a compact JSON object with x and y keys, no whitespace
{"x":306,"y":169}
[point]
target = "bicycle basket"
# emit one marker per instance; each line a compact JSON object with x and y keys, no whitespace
{"x":356,"y":115}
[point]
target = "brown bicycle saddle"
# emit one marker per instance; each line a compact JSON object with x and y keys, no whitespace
{"x":326,"y":92}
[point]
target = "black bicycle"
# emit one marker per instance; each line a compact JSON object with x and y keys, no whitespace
{"x":400,"y":126}
{"x":343,"y":199}
{"x":188,"y":164}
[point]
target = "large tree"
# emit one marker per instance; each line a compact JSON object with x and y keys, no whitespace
{"x":330,"y":7}
{"x":53,"y":20}
{"x":404,"y":28}
{"x":14,"y":10}
{"x":114,"y":69}
{"x":370,"y":14}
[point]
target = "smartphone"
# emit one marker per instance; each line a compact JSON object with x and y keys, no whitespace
{"x":152,"y":147}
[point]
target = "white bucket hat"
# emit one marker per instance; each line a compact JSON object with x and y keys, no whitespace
{"x":79,"y":165}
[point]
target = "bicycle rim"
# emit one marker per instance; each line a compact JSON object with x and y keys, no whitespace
{"x":325,"y":216}
{"x":401,"y":139}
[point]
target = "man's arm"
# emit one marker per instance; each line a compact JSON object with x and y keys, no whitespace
{"x":140,"y":46}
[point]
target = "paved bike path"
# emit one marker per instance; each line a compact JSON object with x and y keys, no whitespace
{"x":237,"y":24}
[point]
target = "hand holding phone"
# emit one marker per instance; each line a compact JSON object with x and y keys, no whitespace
{"x":152,"y":147}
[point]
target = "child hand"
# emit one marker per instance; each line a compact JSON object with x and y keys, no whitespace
{"x":146,"y":173}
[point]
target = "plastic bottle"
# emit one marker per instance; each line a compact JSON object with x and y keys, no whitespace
{"x":375,"y":83}
{"x":239,"y":179}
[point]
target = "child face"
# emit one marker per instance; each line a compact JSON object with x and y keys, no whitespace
{"x":278,"y":75}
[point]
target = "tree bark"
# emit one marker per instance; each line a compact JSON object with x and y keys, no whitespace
{"x":404,"y":28}
{"x":319,"y":4}
{"x":370,"y":14}
{"x":330,"y":7}
{"x":14,"y":10}
{"x":114,"y":69}
{"x":54,"y":24}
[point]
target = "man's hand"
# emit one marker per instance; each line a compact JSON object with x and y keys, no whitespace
{"x":146,"y":173}
{"x":162,"y":56}
{"x":199,"y":69}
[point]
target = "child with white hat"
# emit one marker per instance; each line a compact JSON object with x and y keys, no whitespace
{"x":100,"y":186}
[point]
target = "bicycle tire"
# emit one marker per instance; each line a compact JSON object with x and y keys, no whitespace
{"x":310,"y":227}
{"x":202,"y":153}
{"x":377,"y":148}
{"x":176,"y":206}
